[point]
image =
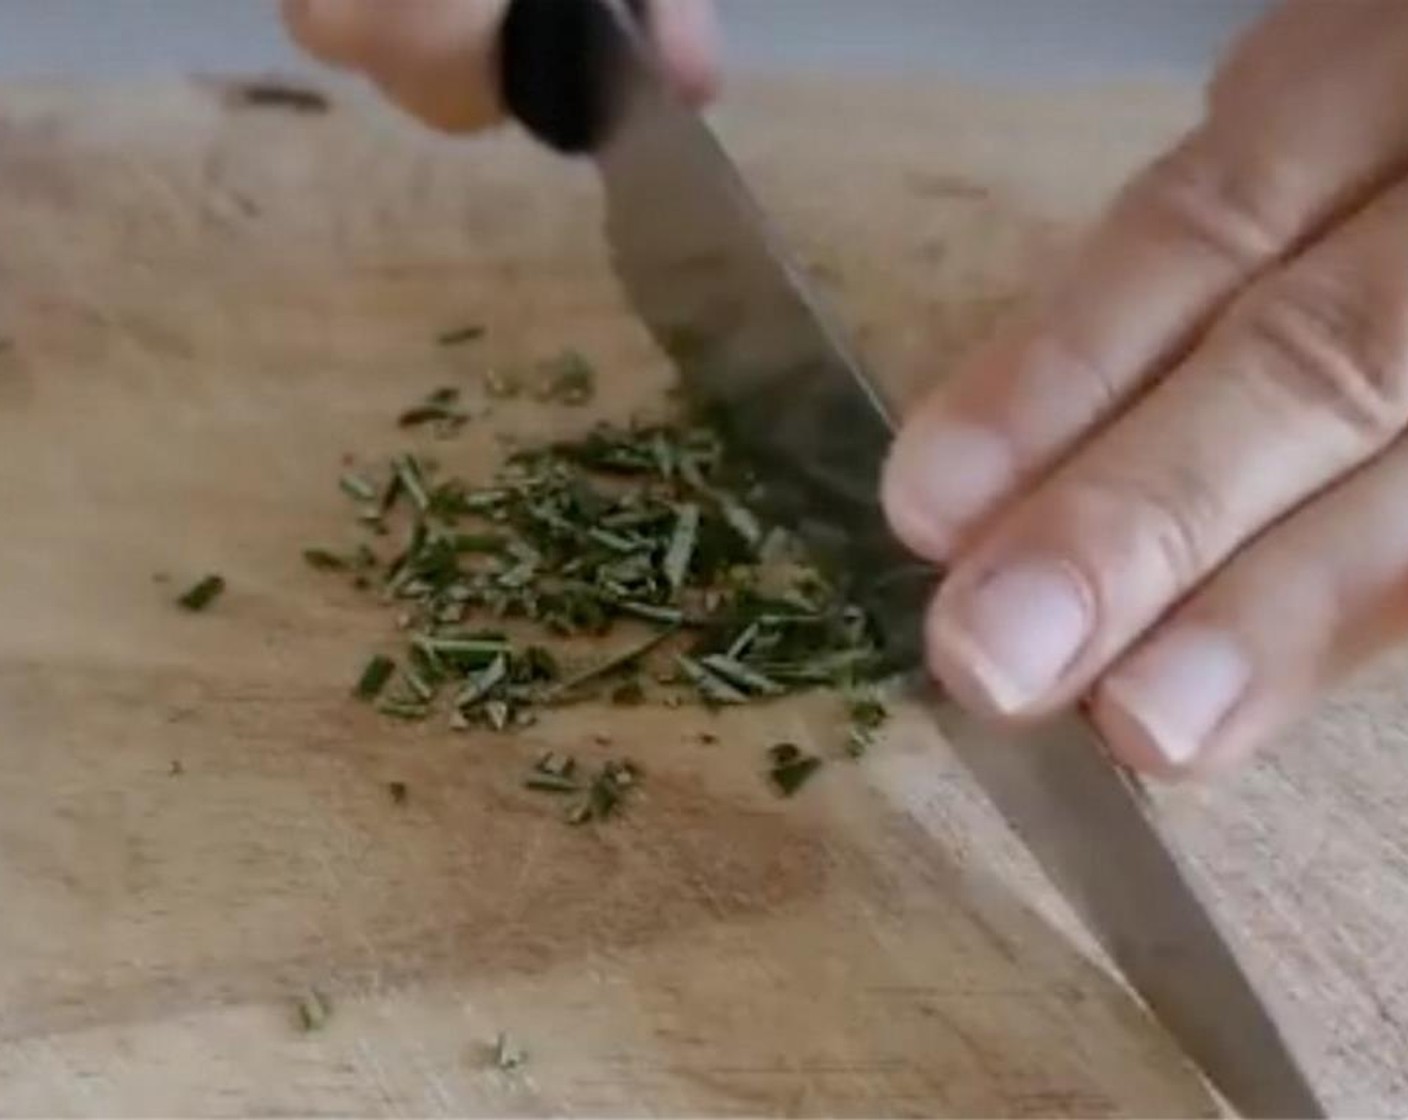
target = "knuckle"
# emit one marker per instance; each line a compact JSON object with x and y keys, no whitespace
{"x":1229,"y":206}
{"x":1067,"y":380}
{"x":1331,"y":349}
{"x":1170,"y":524}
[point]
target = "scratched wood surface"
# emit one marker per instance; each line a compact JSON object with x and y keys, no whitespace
{"x":204,"y":309}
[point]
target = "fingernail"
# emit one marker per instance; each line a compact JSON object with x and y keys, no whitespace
{"x":1174,"y":696}
{"x":1016,"y":633}
{"x":942,"y":479}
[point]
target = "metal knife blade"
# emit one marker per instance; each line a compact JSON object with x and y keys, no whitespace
{"x":712,"y":282}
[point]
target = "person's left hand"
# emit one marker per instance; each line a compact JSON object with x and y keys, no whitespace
{"x":437,"y":59}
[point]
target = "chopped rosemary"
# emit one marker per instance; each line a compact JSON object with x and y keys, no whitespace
{"x":313,"y":1011}
{"x":458,"y":336}
{"x":867,"y":716}
{"x":643,"y":535}
{"x":604,"y":793}
{"x":374,"y":677}
{"x":323,"y":560}
{"x":411,"y":710}
{"x":280,"y":95}
{"x":789,"y":767}
{"x":202,"y":594}
{"x":438,"y":408}
{"x":357,"y":487}
{"x":508,"y":1054}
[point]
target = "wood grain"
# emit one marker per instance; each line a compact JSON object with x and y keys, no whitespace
{"x":207,"y":309}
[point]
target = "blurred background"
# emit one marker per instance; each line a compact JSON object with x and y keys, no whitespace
{"x":1006,"y":41}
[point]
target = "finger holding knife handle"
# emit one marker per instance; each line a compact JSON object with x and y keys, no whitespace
{"x":465,"y":65}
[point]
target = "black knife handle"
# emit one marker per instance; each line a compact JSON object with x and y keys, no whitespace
{"x":557,"y":61}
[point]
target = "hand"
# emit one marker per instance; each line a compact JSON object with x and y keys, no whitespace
{"x":1178,"y":489}
{"x":436,"y":58}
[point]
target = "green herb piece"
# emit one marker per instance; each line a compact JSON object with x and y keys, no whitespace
{"x":789,"y":767}
{"x":740,"y":675}
{"x":867,"y":715}
{"x":498,"y":713}
{"x":202,"y":594}
{"x":464,"y":651}
{"x":488,"y":544}
{"x":421,"y":414}
{"x":666,"y":616}
{"x":390,"y":494}
{"x":482,"y":683}
{"x":399,"y":791}
{"x":313,"y":1011}
{"x":648,"y":527}
{"x":357,"y":487}
{"x":611,"y":665}
{"x":547,"y":783}
{"x":605,"y":793}
{"x":682,"y":545}
{"x":374,"y":677}
{"x":458,"y":336}
{"x":713,"y":688}
{"x":508,"y":1055}
{"x":408,"y":470}
{"x":410,"y":710}
{"x":419,"y":687}
{"x":320,"y":559}
{"x":555,"y":763}
{"x":437,"y":408}
{"x":280,"y":95}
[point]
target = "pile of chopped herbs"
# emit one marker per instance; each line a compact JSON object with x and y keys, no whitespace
{"x":626,"y":566}
{"x":639,"y":530}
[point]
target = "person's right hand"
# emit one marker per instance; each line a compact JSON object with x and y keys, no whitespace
{"x":1177,"y":487}
{"x":438,"y":58}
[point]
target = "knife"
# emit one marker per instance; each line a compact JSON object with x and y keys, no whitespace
{"x":756,"y":352}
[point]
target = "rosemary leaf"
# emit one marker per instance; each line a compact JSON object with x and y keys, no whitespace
{"x":202,"y":594}
{"x":374,"y":677}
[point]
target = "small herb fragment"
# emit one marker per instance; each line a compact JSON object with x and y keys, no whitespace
{"x":322,"y":560}
{"x":313,"y":1010}
{"x":374,"y":677}
{"x":553,"y":773}
{"x":277,"y":95}
{"x":355,"y":486}
{"x":439,"y":408}
{"x":458,"y":336}
{"x":399,"y":791}
{"x":202,"y":594}
{"x":644,"y":536}
{"x":789,"y":767}
{"x":867,"y":716}
{"x":508,"y":1055}
{"x":604,"y":793}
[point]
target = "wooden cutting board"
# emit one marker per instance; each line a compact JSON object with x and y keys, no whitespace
{"x":206,"y":308}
